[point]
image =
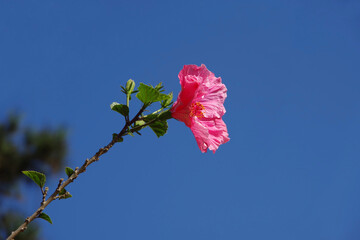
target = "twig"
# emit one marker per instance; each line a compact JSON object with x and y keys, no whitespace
{"x":44,"y":195}
{"x":76,"y":173}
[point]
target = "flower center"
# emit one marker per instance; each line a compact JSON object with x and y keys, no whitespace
{"x":196,"y":110}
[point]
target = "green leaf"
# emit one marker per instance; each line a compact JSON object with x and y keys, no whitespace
{"x":159,"y":128}
{"x":159,"y":86}
{"x":150,"y":117}
{"x":129,"y":132}
{"x":67,"y":195}
{"x":37,"y":177}
{"x":63,"y":191}
{"x":69,"y":171}
{"x":165,"y":115}
{"x":148,"y":94}
{"x":130,"y":85}
{"x":120,"y":108}
{"x":123,"y":89}
{"x":139,"y":123}
{"x":64,"y":194}
{"x":167,"y":102}
{"x":45,"y":217}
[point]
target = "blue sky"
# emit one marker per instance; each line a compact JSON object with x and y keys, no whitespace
{"x":291,"y":168}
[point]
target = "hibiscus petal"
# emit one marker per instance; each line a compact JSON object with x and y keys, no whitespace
{"x":218,"y":133}
{"x":209,"y":133}
{"x":201,"y":134}
{"x":181,"y":108}
{"x":212,"y":98}
{"x":192,"y":70}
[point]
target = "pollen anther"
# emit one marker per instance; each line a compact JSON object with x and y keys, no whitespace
{"x":197,"y":110}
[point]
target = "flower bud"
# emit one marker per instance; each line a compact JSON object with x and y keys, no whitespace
{"x":130,"y":85}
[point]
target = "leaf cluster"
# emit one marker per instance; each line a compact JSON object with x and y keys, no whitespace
{"x":148,"y":95}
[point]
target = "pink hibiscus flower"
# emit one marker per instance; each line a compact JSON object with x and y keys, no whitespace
{"x":200,"y":105}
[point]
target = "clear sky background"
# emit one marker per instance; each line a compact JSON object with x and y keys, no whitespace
{"x":291,"y":170}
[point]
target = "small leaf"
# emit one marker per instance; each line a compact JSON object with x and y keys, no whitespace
{"x":64,"y":194}
{"x":63,"y":191}
{"x":129,"y":132}
{"x":159,"y":86}
{"x":159,"y":128}
{"x":120,"y":108}
{"x":148,"y":94}
{"x":69,"y":171}
{"x":123,"y":90}
{"x":45,"y":217}
{"x":37,"y":177}
{"x":67,"y":195}
{"x":167,"y":102}
{"x":139,"y":123}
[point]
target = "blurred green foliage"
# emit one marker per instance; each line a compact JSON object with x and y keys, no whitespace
{"x":21,"y":149}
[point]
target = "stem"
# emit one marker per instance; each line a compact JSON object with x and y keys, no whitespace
{"x":142,"y":126}
{"x":158,"y":110}
{"x":76,"y":173}
{"x":128,"y":100}
{"x":128,"y":105}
